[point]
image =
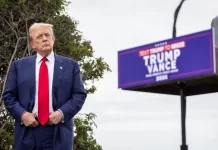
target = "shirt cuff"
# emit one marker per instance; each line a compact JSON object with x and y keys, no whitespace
{"x":62,"y":115}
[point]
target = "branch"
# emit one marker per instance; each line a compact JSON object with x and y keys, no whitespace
{"x":28,"y":44}
{"x":9,"y":65}
{"x":3,"y":126}
{"x":49,"y":19}
{"x":3,"y":35}
{"x":2,"y":64}
{"x":1,"y":56}
{"x":10,"y":26}
{"x":25,"y":51}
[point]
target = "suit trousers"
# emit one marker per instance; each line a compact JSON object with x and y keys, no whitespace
{"x":43,"y":136}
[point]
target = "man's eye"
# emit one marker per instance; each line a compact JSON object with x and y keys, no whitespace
{"x":39,"y":37}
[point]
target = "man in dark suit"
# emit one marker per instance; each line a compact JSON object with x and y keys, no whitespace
{"x":43,"y":93}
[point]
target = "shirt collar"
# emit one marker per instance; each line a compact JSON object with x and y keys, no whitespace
{"x":50,"y":57}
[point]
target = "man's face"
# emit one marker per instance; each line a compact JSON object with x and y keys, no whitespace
{"x":42,"y":40}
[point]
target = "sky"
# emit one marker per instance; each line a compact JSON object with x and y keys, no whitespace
{"x":135,"y":120}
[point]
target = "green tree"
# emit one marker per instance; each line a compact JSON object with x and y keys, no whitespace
{"x":16,"y":17}
{"x":84,"y":139}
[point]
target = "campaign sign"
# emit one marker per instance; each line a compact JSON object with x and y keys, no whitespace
{"x":170,"y":60}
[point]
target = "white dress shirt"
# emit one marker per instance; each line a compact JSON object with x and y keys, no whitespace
{"x":50,"y":65}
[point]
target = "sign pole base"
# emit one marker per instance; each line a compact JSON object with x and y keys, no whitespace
{"x":184,"y":147}
{"x":183,"y":115}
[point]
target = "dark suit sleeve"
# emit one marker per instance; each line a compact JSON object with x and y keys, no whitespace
{"x":75,"y":103}
{"x":10,"y":95}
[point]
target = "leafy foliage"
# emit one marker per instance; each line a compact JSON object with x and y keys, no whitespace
{"x":16,"y":17}
{"x":84,"y":139}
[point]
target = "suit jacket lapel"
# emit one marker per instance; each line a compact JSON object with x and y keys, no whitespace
{"x":57,"y":77}
{"x":31,"y":69}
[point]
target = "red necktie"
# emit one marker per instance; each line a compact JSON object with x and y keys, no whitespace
{"x":43,"y":93}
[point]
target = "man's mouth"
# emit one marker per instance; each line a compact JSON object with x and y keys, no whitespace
{"x":45,"y":45}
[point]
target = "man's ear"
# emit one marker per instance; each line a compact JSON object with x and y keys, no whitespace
{"x":31,"y":44}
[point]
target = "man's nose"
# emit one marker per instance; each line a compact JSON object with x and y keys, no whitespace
{"x":44,"y":38}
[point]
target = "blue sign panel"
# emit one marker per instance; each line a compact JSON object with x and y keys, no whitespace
{"x":175,"y":59}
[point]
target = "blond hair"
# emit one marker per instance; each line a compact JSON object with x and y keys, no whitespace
{"x":38,"y":25}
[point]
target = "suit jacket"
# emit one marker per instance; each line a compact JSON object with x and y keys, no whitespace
{"x":68,"y":95}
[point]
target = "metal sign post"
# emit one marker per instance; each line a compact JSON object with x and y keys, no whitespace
{"x":183,"y":115}
{"x":182,"y":86}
